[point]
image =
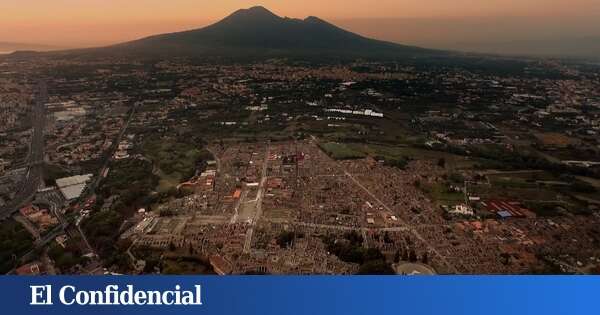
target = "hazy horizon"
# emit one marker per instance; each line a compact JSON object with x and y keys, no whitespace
{"x":502,"y":26}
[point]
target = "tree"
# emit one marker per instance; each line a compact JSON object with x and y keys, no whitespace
{"x":583,"y":187}
{"x":386,"y":238}
{"x":412,"y":256}
{"x":375,"y":267}
{"x":372,"y":254}
{"x":456,"y":177}
{"x":442,"y":163}
{"x":285,"y":239}
{"x":397,"y":257}
{"x":405,"y":255}
{"x":354,"y":237}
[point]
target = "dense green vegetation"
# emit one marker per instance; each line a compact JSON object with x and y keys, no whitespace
{"x":497,"y":157}
{"x":174,"y":261}
{"x":350,"y":249}
{"x":68,"y":257}
{"x":583,"y":187}
{"x":131,"y":180}
{"x":14,"y":242}
{"x":375,"y":267}
{"x":286,"y":238}
{"x":398,"y":162}
{"x":102,"y":230}
{"x":53,"y":172}
{"x":185,"y":266}
{"x":544,"y":209}
{"x":393,"y":155}
{"x":175,"y":159}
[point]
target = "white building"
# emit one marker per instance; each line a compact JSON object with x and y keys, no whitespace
{"x":462,"y":210}
{"x":72,"y":187}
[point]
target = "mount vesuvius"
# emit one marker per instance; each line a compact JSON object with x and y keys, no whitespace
{"x":257,"y":32}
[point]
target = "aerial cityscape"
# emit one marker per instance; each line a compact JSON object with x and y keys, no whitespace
{"x":263,"y":144}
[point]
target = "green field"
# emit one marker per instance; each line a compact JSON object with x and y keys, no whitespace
{"x":440,"y":193}
{"x":341,"y":151}
{"x":346,"y":151}
{"x":174,"y":161}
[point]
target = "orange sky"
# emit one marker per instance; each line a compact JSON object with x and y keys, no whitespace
{"x":97,"y":22}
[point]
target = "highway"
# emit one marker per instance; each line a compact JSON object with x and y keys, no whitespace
{"x":33,"y":177}
{"x":91,"y":188}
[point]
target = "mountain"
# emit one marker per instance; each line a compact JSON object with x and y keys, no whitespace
{"x":7,"y":47}
{"x":259,"y":32}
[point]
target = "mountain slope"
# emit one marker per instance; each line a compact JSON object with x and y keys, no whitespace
{"x":257,"y":31}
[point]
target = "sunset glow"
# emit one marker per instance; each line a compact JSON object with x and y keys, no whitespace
{"x":76,"y":23}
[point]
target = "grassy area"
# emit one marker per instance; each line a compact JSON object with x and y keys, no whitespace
{"x":346,"y":151}
{"x":174,"y":161}
{"x":14,"y":242}
{"x":441,"y":194}
{"x":545,"y":209}
{"x":542,"y":188}
{"x":341,"y":151}
{"x":387,"y":152}
{"x":511,"y":182}
{"x":412,"y":153}
{"x":167,"y":181}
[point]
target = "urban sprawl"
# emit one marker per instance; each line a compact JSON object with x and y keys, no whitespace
{"x":285,"y":167}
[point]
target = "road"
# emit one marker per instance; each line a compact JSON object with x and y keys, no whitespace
{"x":407,"y":226}
{"x":411,"y":229}
{"x":217,"y":159}
{"x":239,"y":203}
{"x":35,"y":163}
{"x":352,"y":228}
{"x":91,"y":188}
{"x":259,"y":197}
